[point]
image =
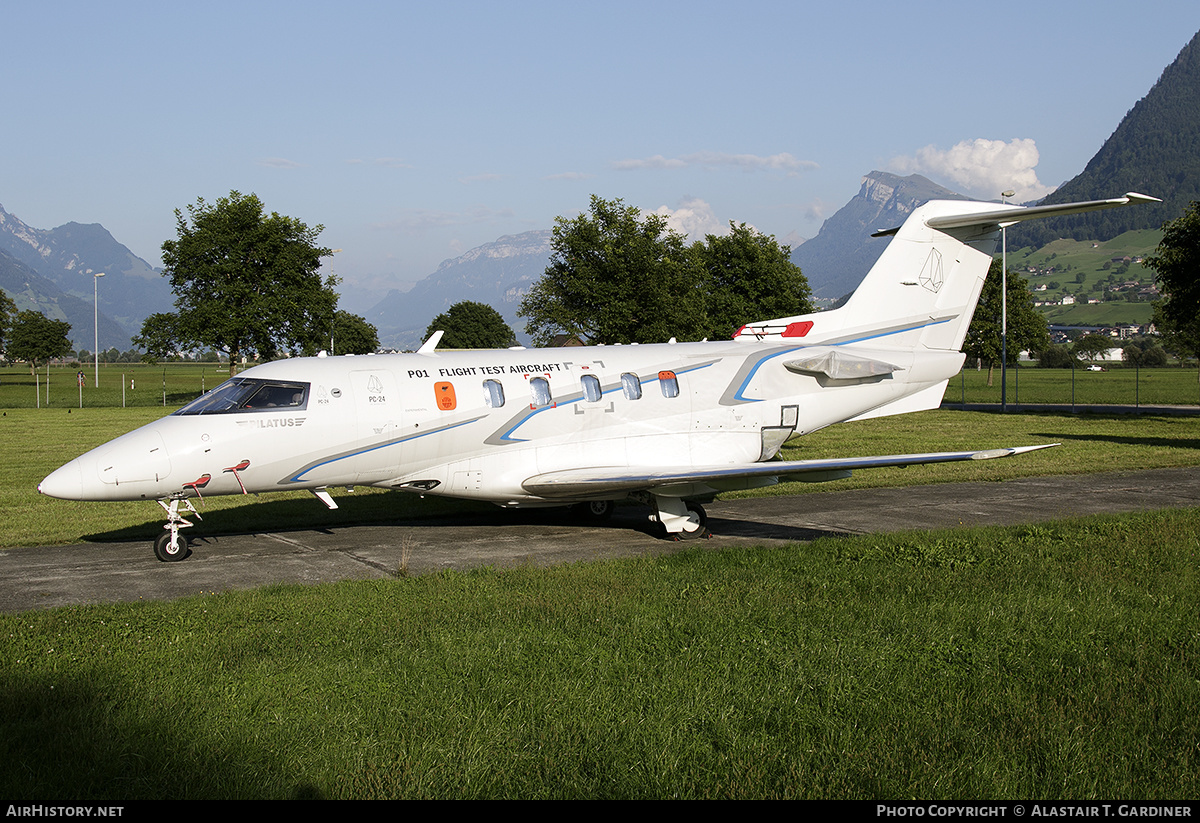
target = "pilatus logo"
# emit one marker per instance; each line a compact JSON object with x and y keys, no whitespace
{"x":931,"y":274}
{"x":273,"y":423}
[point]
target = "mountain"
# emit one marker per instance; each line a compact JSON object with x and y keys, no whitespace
{"x":1155,"y":150}
{"x":29,"y":290}
{"x":67,"y":257}
{"x":839,"y":257}
{"x":498,"y":274}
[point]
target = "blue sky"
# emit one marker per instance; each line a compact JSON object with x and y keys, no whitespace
{"x":416,"y":131}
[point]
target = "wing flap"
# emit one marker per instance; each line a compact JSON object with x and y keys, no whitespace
{"x":620,"y":480}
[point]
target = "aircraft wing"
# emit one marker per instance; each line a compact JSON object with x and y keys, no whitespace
{"x":596,"y":482}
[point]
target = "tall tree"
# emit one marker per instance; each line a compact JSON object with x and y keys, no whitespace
{"x":8,"y":312}
{"x":748,"y":277}
{"x":36,"y":339}
{"x":1177,"y":261}
{"x":352,"y":334}
{"x":245,"y":282}
{"x":1091,"y":347}
{"x":471,"y":325}
{"x":616,"y":276}
{"x":619,"y":276}
{"x":1026,"y":328}
{"x":159,"y":338}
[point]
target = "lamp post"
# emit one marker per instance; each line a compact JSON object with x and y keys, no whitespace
{"x":333,"y":320}
{"x":1004,"y":307}
{"x":96,"y":321}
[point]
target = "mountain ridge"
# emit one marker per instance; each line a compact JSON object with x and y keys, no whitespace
{"x":67,"y":257}
{"x":839,"y":257}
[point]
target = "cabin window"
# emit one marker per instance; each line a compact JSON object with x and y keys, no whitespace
{"x":591,"y":388}
{"x":669,"y":383}
{"x":493,"y":394}
{"x":632,"y":386}
{"x":539,"y":392}
{"x":248,"y":394}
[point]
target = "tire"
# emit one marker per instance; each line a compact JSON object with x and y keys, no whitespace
{"x":701,"y":531}
{"x":168,"y":550}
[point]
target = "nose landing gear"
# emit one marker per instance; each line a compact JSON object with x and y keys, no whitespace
{"x":171,"y":546}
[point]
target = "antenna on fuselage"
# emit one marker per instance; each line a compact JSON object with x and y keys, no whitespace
{"x":431,"y":344}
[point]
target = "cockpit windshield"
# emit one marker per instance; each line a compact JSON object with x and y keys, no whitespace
{"x":242,"y":394}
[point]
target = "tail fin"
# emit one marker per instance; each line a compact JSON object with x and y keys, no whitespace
{"x":922,"y":291}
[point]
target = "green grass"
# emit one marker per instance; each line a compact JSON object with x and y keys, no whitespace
{"x":1056,"y":661}
{"x":1073,"y":258}
{"x":121,"y":384}
{"x":34,"y":442}
{"x":1117,"y":386}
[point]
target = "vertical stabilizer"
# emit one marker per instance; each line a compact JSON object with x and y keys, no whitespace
{"x":922,"y":291}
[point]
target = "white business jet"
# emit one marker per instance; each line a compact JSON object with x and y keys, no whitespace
{"x":669,"y":424}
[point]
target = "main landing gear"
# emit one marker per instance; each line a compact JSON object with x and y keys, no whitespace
{"x":171,"y":546}
{"x":681,"y":519}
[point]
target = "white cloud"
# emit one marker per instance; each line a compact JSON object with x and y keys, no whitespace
{"x":711,"y":159}
{"x":981,"y":168}
{"x":279,"y":163}
{"x":655,"y":162}
{"x":694,"y":217}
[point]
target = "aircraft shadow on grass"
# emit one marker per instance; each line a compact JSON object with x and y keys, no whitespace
{"x":1126,"y":440}
{"x":370,"y":511}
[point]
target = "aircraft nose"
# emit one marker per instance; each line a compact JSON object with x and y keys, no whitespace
{"x":65,"y":483}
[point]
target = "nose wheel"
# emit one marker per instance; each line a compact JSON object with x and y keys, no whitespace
{"x":171,"y":546}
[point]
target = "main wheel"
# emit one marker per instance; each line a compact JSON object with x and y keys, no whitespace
{"x":168,"y":550}
{"x":700,"y":530}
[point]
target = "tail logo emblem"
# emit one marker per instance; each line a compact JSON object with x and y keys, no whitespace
{"x":931,"y":273}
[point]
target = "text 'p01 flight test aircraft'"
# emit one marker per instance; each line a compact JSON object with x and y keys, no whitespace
{"x":670,"y":424}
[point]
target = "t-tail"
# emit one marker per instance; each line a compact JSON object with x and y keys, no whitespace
{"x":922,"y":292}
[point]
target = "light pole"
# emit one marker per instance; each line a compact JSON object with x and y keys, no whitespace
{"x":96,"y":321}
{"x":1004,"y":307}
{"x":333,"y":320}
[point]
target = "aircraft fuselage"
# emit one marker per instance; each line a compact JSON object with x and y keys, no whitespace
{"x":475,"y":424}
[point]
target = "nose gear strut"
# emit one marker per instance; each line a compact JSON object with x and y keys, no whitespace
{"x":170,"y":545}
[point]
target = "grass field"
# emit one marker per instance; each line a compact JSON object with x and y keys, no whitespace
{"x":34,"y":442}
{"x":1057,"y":662}
{"x":1118,"y":386}
{"x":133,"y":385}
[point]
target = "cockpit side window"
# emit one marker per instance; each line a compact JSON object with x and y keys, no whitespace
{"x":243,"y":394}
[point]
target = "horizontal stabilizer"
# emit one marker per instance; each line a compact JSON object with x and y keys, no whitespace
{"x":571,"y":484}
{"x":1010,"y":215}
